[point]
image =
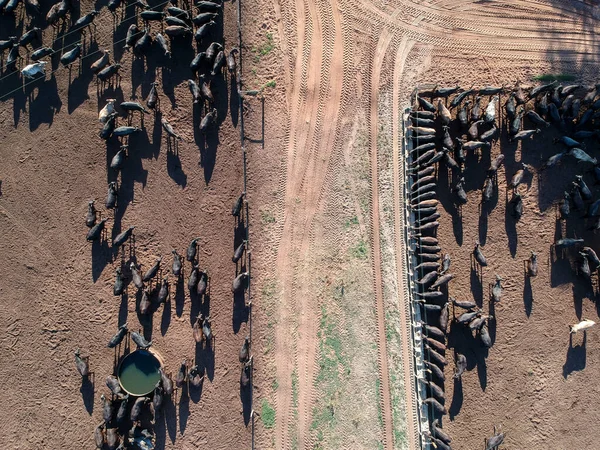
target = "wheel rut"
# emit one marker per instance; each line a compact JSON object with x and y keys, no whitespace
{"x":318,"y":39}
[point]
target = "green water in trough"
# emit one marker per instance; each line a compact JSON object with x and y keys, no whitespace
{"x":138,"y":373}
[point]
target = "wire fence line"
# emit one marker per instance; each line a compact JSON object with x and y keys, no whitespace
{"x":247,"y":210}
{"x":422,"y":418}
{"x":414,"y":314}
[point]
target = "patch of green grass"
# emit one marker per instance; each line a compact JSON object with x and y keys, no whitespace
{"x":389,"y":331}
{"x":378,"y":392}
{"x":553,"y":77}
{"x":268,"y":291}
{"x":267,"y":217}
{"x":399,"y":437}
{"x":267,"y":414}
{"x":270,"y":84}
{"x":275,"y":385}
{"x":265,"y":48}
{"x":333,"y":368}
{"x":352,"y":221}
{"x":295,"y":388}
{"x":359,"y":250}
{"x":268,"y":46}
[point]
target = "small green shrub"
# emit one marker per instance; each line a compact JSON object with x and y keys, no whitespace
{"x":267,"y":414}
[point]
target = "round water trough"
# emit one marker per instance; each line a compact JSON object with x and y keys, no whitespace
{"x":138,"y":372}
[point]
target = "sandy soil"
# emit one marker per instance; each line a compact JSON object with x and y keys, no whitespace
{"x":376,"y":52}
{"x":57,"y":288}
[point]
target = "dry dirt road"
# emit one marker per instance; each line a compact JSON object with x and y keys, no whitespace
{"x":333,"y":289}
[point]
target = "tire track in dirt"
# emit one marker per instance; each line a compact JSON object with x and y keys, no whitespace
{"x":404,"y":308}
{"x":284,"y":343}
{"x":385,"y":395}
{"x":484,"y":40}
{"x":323,"y":139}
{"x":316,"y":69}
{"x":314,"y":101}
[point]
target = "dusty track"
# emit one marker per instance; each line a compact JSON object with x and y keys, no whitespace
{"x":332,"y":56}
{"x":404,"y":49}
{"x":382,"y":46}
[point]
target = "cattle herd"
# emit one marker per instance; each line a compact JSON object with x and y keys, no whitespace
{"x":127,"y":423}
{"x":445,"y":126}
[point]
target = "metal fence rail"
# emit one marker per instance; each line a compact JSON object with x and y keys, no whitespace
{"x":248,"y":253}
{"x":421,"y":415}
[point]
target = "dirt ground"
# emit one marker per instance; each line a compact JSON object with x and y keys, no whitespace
{"x":57,"y":288}
{"x":331,"y":341}
{"x":348,"y":69}
{"x":536,"y":376}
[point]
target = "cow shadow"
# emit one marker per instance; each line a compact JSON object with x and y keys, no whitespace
{"x":166,"y":318}
{"x":205,"y":305}
{"x":234,"y":101}
{"x":132,"y":172}
{"x":447,"y":200}
{"x":483,"y":225}
{"x":170,"y":422}
{"x":78,"y":88}
{"x":580,"y":291}
{"x":195,"y":306}
{"x":123,"y":307}
{"x":87,"y":394}
{"x":477,"y":287}
{"x":246,"y":399}
{"x":175,"y":169}
{"x":510,"y":226}
{"x":241,"y":312}
{"x":100,"y":257}
{"x":527,"y":295}
{"x":208,"y":153}
{"x":141,"y":143}
{"x":576,"y":356}
{"x":457,"y":399}
{"x":45,"y":105}
{"x":184,"y":408}
{"x":179,"y":295}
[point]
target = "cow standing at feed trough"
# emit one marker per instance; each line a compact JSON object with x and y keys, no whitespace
{"x":246,"y":374}
{"x":167,"y":383}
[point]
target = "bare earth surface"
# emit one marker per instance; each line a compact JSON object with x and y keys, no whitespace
{"x":331,"y":336}
{"x":348,"y":69}
{"x":56,"y":288}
